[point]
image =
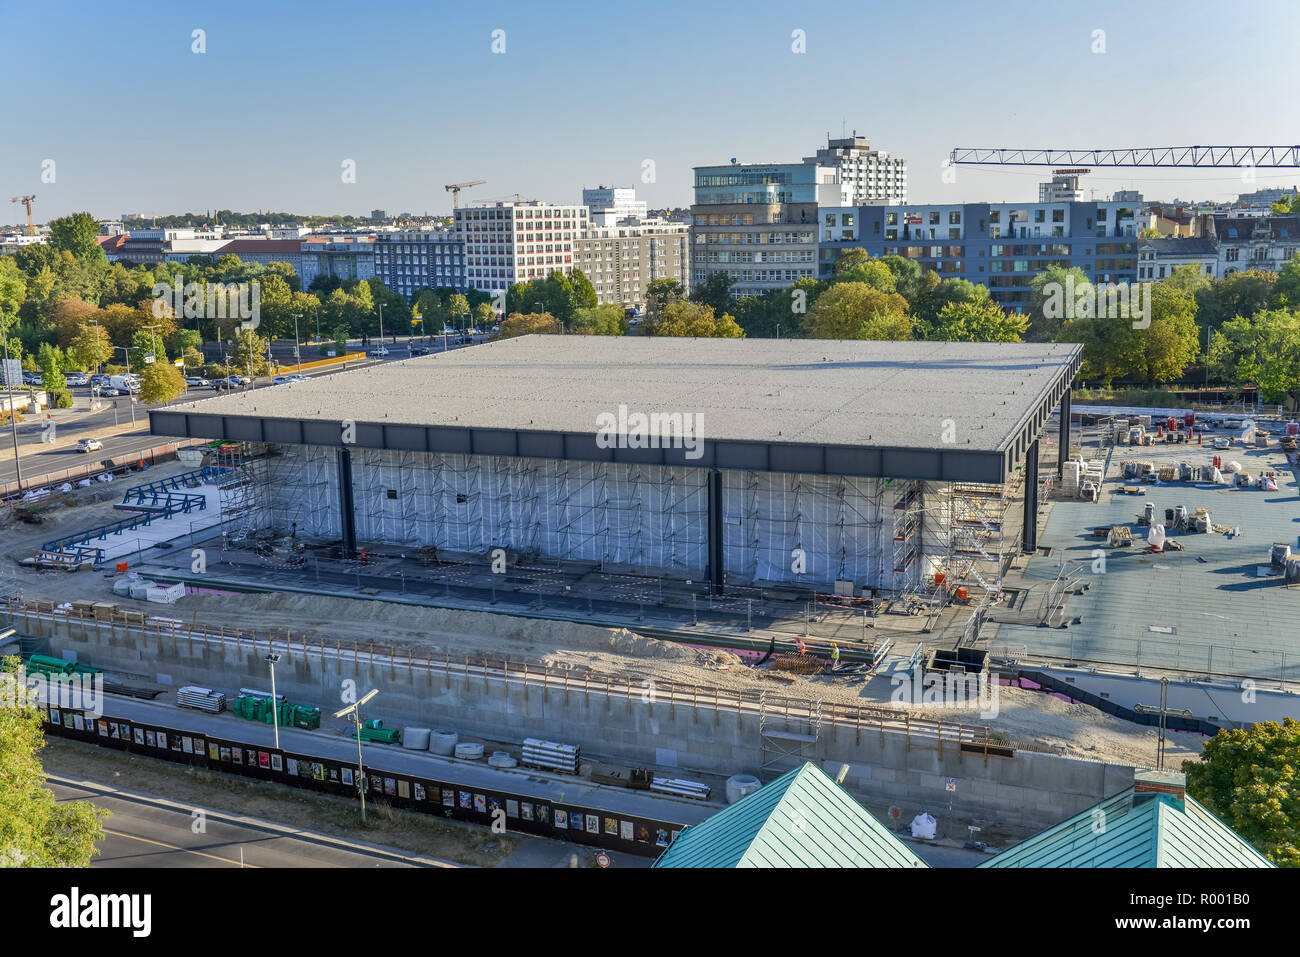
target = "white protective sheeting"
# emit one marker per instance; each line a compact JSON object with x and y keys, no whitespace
{"x":642,"y":516}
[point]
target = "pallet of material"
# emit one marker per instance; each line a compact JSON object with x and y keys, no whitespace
{"x":201,"y":699}
{"x":550,"y":756}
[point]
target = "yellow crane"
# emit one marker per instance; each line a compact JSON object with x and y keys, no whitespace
{"x":455,"y":188}
{"x":26,"y":201}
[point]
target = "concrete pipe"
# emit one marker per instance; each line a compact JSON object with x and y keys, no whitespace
{"x":738,"y":785}
{"x":443,"y":742}
{"x":470,"y":752}
{"x":502,"y":759}
{"x":416,"y":739}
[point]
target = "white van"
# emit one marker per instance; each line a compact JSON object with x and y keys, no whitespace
{"x":128,"y":383}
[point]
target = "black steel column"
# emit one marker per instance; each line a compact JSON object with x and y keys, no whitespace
{"x":347,"y":513}
{"x":1064,"y":441}
{"x":1030,"y":537}
{"x":715,"y":532}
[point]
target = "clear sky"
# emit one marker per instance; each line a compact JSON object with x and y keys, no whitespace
{"x":585,"y":93}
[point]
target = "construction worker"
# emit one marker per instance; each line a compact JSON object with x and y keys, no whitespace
{"x":835,"y":657}
{"x":800,"y":647}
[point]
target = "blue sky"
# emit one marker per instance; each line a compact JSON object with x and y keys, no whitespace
{"x":586,"y":92}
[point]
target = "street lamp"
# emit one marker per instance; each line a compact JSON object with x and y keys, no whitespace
{"x":355,"y":711}
{"x":271,"y":659}
{"x":297,"y":350}
{"x":129,"y":393}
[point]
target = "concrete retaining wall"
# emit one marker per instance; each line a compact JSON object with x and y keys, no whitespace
{"x":1016,"y":795}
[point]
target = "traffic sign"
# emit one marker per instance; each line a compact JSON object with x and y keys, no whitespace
{"x":602,"y":859}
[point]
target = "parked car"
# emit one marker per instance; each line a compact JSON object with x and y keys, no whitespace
{"x":31,"y":378}
{"x":110,"y":390}
{"x":76,"y":378}
{"x":197,"y":380}
{"x":89,"y":445}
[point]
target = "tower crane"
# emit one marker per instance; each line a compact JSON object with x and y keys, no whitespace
{"x":1164,"y":157}
{"x":26,"y":201}
{"x":455,"y":188}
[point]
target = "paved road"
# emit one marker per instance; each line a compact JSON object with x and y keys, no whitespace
{"x":145,"y":831}
{"x":53,"y":460}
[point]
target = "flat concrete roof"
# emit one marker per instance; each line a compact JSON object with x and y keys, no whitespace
{"x":808,"y":405}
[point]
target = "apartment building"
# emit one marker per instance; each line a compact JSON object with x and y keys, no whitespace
{"x":870,"y":175}
{"x":509,"y":242}
{"x":1064,"y":187}
{"x":999,"y":245}
{"x":757,"y":223}
{"x":412,"y":260}
{"x":1266,"y":243}
{"x":609,"y":205}
{"x":621,"y":261}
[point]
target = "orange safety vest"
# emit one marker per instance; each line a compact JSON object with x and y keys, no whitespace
{"x":800,"y":646}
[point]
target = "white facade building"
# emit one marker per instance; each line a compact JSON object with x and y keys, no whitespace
{"x":871,"y":176}
{"x":611,"y":204}
{"x":507,"y":242}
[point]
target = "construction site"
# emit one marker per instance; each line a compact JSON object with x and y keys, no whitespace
{"x":761,"y":581}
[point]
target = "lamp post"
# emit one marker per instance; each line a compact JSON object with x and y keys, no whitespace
{"x":129,"y":394}
{"x":381,"y":326}
{"x":271,"y":659}
{"x":355,"y":711}
{"x":297,"y":350}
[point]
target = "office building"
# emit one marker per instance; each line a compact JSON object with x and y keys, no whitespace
{"x":510,"y":242}
{"x":609,"y":205}
{"x":757,"y":223}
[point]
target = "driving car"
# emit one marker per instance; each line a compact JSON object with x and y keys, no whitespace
{"x":89,"y":445}
{"x":378,"y":352}
{"x":196,"y":380}
{"x":110,"y":390}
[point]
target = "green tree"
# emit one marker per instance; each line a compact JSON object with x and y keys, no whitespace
{"x":978,"y":319}
{"x":1286,"y":290}
{"x":248,"y":353}
{"x":13,"y":287}
{"x":1171,"y":342}
{"x":694,"y":319}
{"x":714,"y":291}
{"x":458,"y":307}
{"x":36,"y":830}
{"x":871,"y":272}
{"x":1247,"y":778}
{"x":1049,"y":292}
{"x":77,"y":234}
{"x":484,"y":316}
{"x":50,"y":361}
{"x":606,"y":320}
{"x":90,"y":349}
{"x":1263,"y":348}
{"x":584,"y":293}
{"x":161,"y":382}
{"x":533,"y":323}
{"x":855,"y":310}
{"x":660,"y":292}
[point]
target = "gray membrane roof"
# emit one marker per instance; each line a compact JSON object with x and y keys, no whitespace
{"x":943,"y":397}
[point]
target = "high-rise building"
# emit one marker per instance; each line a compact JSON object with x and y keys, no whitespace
{"x":343,"y":257}
{"x":621,"y":261}
{"x":871,"y":175}
{"x":514,"y":242}
{"x":1063,"y":188}
{"x":757,"y":223}
{"x":411,"y":260}
{"x":610,"y":204}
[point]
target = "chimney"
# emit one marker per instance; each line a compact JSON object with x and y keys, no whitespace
{"x":1172,"y":783}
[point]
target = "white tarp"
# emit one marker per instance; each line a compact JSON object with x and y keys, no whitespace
{"x":923,"y":825}
{"x":1156,"y":537}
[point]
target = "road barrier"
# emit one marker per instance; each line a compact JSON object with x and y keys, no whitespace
{"x":150,"y":456}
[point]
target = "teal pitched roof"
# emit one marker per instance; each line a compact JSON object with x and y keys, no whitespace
{"x":802,"y":819}
{"x":1135,"y":830}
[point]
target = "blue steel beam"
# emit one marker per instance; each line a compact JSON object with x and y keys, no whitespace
{"x":1164,"y":157}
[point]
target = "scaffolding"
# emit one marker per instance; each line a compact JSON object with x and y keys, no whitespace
{"x":908,"y":512}
{"x":781,"y":748}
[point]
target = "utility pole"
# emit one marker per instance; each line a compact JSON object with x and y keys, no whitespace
{"x":129,"y":393}
{"x":381,"y":325}
{"x":1164,"y":711}
{"x":355,"y":711}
